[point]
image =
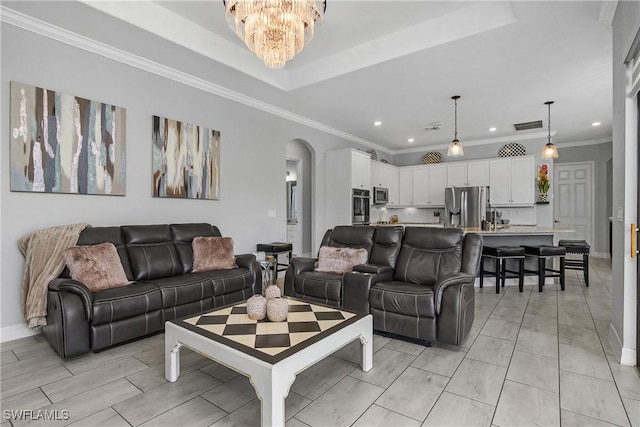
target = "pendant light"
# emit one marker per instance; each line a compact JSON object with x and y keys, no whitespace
{"x":549,"y":151}
{"x":455,"y":148}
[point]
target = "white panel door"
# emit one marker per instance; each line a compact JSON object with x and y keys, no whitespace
{"x":573,"y":199}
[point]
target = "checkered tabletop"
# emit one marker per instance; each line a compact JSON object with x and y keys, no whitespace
{"x":305,"y":324}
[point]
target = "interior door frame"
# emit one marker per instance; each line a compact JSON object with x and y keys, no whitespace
{"x":592,"y":207}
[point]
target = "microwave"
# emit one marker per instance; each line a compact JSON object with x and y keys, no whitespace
{"x":380,"y":196}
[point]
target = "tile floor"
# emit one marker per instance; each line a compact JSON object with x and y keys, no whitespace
{"x":531,"y":359}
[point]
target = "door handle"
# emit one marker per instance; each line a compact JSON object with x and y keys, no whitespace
{"x":634,"y":240}
{"x":556,"y":221}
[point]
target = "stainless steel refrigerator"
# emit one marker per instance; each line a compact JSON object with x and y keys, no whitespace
{"x":466,"y":206}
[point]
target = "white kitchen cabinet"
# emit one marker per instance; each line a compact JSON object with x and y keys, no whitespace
{"x":378,"y":174}
{"x":468,"y":174}
{"x":393,"y":181}
{"x":457,"y":174}
{"x":512,"y":181}
{"x":346,"y":169}
{"x":405,"y":193}
{"x":385,"y":176}
{"x":360,"y":170}
{"x":293,"y":237}
{"x":478,"y":174}
{"x":423,"y":185}
{"x":437,"y":184}
{"x":420,"y":186}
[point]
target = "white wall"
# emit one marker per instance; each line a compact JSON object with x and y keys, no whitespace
{"x":626,"y":23}
{"x":252,"y":156}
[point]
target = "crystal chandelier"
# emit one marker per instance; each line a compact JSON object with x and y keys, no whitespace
{"x":275,"y":30}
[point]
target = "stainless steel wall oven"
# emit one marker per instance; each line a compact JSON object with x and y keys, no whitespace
{"x":360,"y":207}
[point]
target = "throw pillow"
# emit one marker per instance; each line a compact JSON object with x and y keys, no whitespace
{"x":340,"y":260}
{"x":213,"y":253}
{"x":97,"y":266}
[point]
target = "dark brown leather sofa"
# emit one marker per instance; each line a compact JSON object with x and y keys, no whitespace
{"x":422,"y":289}
{"x":157,"y":259}
{"x":382,"y":245}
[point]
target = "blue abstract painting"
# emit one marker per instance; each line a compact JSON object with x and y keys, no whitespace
{"x":66,"y":144}
{"x":186,"y":160}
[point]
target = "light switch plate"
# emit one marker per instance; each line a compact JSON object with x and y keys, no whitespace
{"x":620,"y":216}
{"x":271,"y":213}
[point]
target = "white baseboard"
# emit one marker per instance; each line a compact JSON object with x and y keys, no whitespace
{"x":14,"y":332}
{"x":628,"y":357}
{"x":604,"y":255}
{"x":616,"y":342}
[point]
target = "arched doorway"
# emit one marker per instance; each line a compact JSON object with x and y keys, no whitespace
{"x":299,"y":188}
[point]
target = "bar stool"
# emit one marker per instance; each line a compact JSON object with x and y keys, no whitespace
{"x":577,"y":247}
{"x":542,"y":252}
{"x":501,"y":254}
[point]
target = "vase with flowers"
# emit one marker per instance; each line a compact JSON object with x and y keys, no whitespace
{"x":543,"y":183}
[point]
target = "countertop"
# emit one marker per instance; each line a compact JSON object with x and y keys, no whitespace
{"x":503,"y":230}
{"x":521,"y":229}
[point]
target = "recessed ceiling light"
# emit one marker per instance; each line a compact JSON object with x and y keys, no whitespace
{"x":410,"y":140}
{"x":492,"y":129}
{"x":378,"y":123}
{"x":595,"y":124}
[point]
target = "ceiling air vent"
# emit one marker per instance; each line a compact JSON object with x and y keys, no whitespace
{"x":528,"y":125}
{"x":433,"y":126}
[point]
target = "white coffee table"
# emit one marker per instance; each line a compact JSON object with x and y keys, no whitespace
{"x":270,"y":354}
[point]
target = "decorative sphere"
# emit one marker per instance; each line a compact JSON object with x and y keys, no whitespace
{"x":257,"y":307}
{"x":277,"y":309}
{"x":272,"y":291}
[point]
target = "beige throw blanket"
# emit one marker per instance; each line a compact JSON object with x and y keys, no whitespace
{"x":44,"y":261}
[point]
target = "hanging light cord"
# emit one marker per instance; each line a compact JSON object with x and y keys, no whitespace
{"x":455,"y":132}
{"x":549,"y":123}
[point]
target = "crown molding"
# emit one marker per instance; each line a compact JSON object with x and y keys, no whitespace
{"x":162,"y":22}
{"x":70,"y":38}
{"x":608,"y":11}
{"x":584,"y":143}
{"x":489,"y":141}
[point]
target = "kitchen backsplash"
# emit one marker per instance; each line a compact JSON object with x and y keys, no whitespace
{"x":520,"y":216}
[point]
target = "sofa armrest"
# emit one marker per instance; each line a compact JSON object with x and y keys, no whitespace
{"x":355,"y":289}
{"x":301,"y":264}
{"x":453,"y":279}
{"x":296,"y":266}
{"x":372,"y":268}
{"x":78,"y":288}
{"x":249,"y":262}
{"x":245,"y":261}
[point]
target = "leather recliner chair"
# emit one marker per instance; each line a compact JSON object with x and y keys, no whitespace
{"x":429,"y":295}
{"x":382,"y":245}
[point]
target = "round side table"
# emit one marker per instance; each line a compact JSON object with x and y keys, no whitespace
{"x":267,"y":266}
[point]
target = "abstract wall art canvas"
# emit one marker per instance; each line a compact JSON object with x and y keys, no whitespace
{"x":66,"y":144}
{"x":186,"y":160}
